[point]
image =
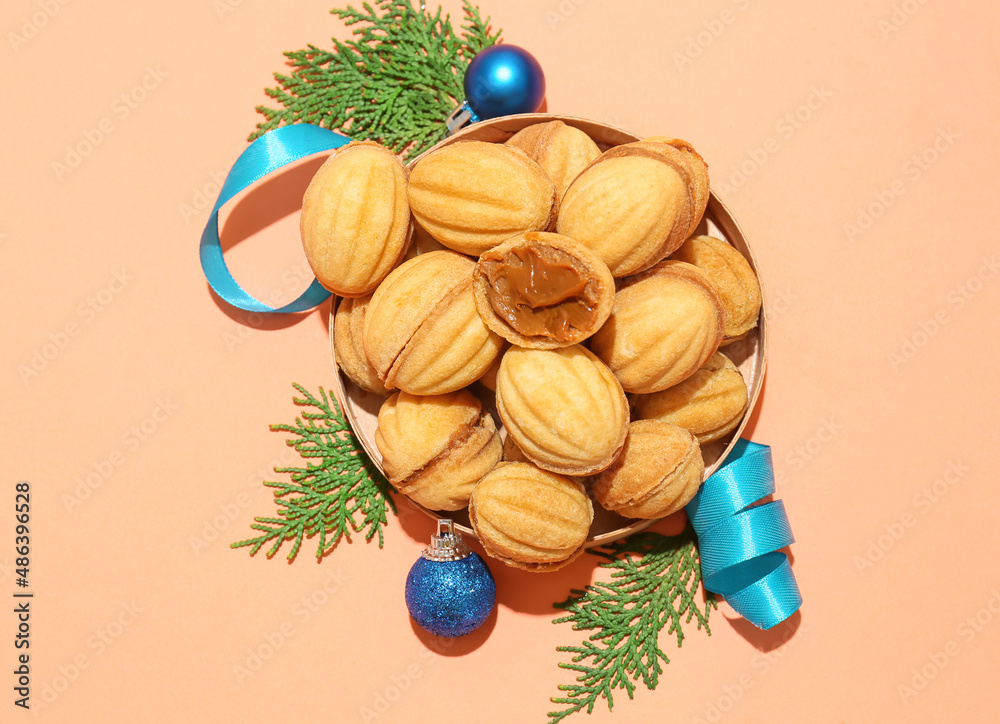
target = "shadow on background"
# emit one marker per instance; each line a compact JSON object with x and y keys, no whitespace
{"x":457,"y":646}
{"x":264,"y":320}
{"x":771,"y":639}
{"x":755,"y":414}
{"x":264,"y":204}
{"x":268,"y":201}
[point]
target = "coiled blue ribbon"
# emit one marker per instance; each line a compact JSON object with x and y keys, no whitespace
{"x":268,"y":153}
{"x":740,"y":543}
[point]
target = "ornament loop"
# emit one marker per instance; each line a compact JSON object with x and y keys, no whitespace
{"x":446,"y":545}
{"x":462,"y":116}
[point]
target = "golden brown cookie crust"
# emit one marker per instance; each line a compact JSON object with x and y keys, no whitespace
{"x":666,"y":323}
{"x":563,"y":408}
{"x":347,"y":343}
{"x":436,"y":448}
{"x":657,"y":474}
{"x":561,"y":150}
{"x":422,"y":332}
{"x":472,"y":195}
{"x":632,"y":206}
{"x":710,"y":403}
{"x":530,"y":518}
{"x":355,"y":222}
{"x":732,"y":277}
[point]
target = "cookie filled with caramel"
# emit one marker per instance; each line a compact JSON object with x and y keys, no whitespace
{"x":541,"y":290}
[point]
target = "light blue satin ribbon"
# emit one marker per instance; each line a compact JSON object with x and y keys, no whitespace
{"x":739,"y":543}
{"x":268,"y":153}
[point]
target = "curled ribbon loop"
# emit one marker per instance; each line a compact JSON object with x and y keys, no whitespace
{"x":268,"y":153}
{"x":740,"y":543}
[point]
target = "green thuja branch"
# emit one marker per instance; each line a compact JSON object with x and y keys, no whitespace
{"x":395,"y":82}
{"x":341,"y":493}
{"x":653,"y":586}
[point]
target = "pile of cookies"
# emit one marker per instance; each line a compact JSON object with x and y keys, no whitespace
{"x":564,"y":280}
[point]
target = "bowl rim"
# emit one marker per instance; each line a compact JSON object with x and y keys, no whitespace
{"x":716,"y":210}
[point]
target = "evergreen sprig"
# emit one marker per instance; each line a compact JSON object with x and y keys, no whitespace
{"x":344,"y":492}
{"x":395,"y":83}
{"x":653,"y":586}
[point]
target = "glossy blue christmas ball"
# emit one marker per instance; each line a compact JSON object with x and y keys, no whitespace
{"x":503,"y":80}
{"x":450,"y":598}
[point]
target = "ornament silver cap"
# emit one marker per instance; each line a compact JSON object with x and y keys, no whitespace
{"x":446,"y":544}
{"x":462,"y":116}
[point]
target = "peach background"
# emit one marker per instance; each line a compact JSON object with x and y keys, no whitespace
{"x":881,"y":378}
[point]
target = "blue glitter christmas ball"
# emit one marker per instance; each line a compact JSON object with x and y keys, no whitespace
{"x":502,"y":80}
{"x":450,"y":598}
